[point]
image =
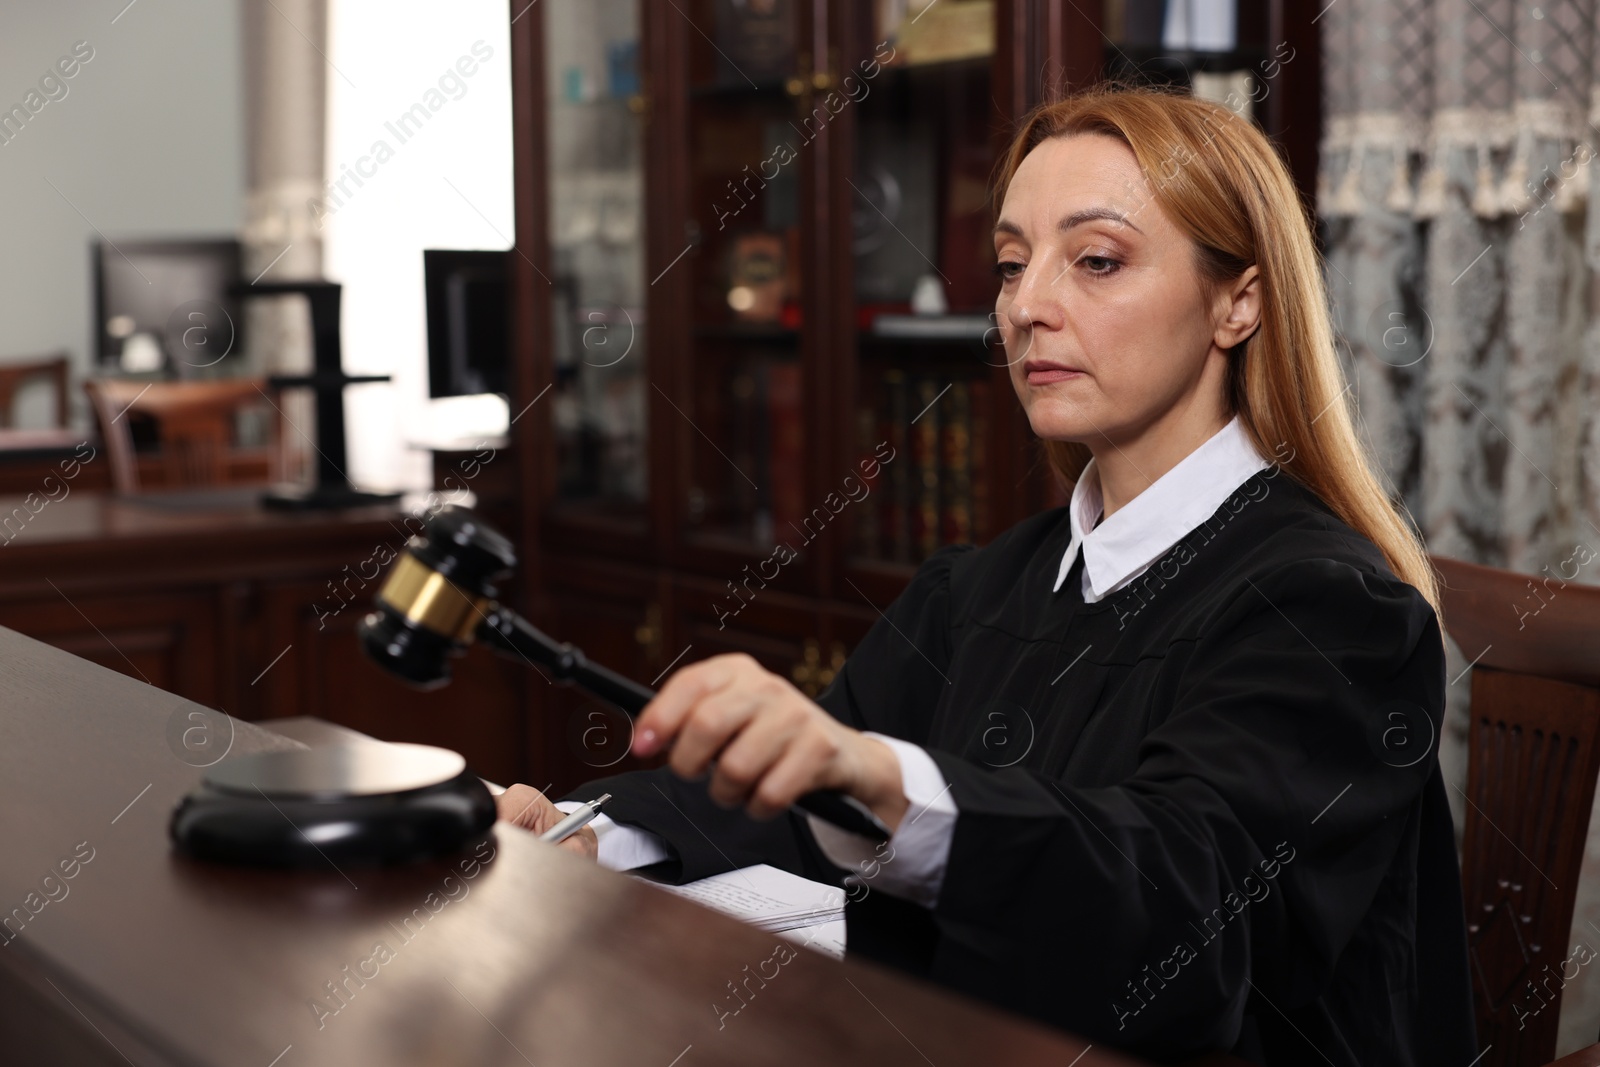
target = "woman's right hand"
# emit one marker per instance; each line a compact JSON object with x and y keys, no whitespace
{"x":524,"y":806}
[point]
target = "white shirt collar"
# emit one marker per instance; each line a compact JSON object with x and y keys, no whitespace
{"x":1123,"y":546}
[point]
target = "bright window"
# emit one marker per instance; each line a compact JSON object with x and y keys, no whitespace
{"x":419,"y":156}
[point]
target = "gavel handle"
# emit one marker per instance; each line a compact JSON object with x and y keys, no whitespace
{"x":509,"y":633}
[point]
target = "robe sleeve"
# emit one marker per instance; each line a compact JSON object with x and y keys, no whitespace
{"x":1236,"y":864}
{"x":705,"y":839}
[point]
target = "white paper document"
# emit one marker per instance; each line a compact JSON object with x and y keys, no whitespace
{"x":769,"y":898}
{"x":827,"y":938}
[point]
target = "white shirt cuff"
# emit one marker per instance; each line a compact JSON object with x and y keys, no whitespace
{"x":911,"y":864}
{"x":622,"y":847}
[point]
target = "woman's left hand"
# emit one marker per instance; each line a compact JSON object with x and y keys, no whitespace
{"x":770,"y":743}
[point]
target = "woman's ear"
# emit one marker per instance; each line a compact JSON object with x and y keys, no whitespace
{"x":1239,"y":309}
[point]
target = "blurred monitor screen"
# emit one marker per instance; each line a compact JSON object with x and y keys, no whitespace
{"x":468,"y":322}
{"x":168,"y":299}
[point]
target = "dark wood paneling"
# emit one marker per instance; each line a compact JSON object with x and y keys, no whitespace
{"x":169,"y":640}
{"x":210,"y":597}
{"x":532,"y":442}
{"x":620,"y":619}
{"x":772,"y":626}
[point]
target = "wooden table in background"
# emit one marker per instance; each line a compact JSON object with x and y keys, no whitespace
{"x":28,"y":457}
{"x":539,"y":958}
{"x":209,"y":595}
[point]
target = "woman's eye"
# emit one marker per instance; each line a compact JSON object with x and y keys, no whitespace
{"x":1009,"y":269}
{"x":1101,"y":266}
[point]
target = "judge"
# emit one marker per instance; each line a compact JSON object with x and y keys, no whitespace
{"x":1159,"y":765}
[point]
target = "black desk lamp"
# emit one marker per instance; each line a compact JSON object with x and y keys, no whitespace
{"x":440,"y":595}
{"x":332,"y":488}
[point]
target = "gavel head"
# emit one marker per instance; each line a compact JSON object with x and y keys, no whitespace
{"x":436,"y":595}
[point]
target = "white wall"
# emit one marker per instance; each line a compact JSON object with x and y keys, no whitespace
{"x":446,"y":184}
{"x":147,"y":142}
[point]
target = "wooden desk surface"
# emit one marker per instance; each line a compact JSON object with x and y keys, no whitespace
{"x":540,"y":958}
{"x":163,"y":515}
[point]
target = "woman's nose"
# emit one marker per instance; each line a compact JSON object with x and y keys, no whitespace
{"x":1018,"y":316}
{"x":1037,"y":302}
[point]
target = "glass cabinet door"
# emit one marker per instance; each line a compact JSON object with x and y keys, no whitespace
{"x":1215,"y":48}
{"x":594,"y":132}
{"x":927,"y":379}
{"x":742,"y":407}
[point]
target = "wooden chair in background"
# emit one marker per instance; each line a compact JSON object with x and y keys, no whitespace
{"x":1533,"y":756}
{"x":55,"y":366}
{"x":195,"y":427}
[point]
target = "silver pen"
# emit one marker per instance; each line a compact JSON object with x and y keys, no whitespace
{"x":576,"y":821}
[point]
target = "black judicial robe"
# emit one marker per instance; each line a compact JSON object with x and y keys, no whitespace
{"x":1202,"y":813}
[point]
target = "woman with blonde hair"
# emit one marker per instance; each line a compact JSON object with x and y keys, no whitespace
{"x":1159,"y":764}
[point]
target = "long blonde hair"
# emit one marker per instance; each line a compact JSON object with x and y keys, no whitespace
{"x":1223,"y":184}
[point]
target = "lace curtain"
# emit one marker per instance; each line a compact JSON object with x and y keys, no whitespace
{"x":1456,"y":187}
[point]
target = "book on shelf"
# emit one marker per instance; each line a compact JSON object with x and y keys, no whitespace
{"x":937,"y":31}
{"x":1113,"y":20}
{"x":933,"y":492}
{"x":622,"y":69}
{"x":868,"y":530}
{"x":787,"y":436}
{"x":757,"y":276}
{"x":766,"y":445}
{"x":754,"y":41}
{"x":897,"y":504}
{"x":956,"y":520}
{"x":747,"y":391}
{"x":924,"y":434}
{"x":978,"y":485}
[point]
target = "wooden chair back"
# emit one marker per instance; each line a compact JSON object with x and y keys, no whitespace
{"x":1533,"y":645}
{"x":195,"y":425}
{"x":55,"y":366}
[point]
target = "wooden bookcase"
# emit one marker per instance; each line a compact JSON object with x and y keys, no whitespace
{"x":712,"y":333}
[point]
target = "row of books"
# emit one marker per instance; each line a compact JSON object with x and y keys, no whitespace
{"x":932,"y":493}
{"x":767,"y":449}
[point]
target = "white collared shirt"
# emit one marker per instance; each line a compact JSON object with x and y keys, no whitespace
{"x":1124,"y":546}
{"x":1117,"y":551}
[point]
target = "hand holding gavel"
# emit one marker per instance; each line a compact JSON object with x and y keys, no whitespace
{"x":773,"y":747}
{"x":765,"y":743}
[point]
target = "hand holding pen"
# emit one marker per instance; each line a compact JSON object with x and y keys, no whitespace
{"x":580,"y":818}
{"x":531,"y":810}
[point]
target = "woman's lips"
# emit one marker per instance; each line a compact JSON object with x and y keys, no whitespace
{"x":1049,"y":373}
